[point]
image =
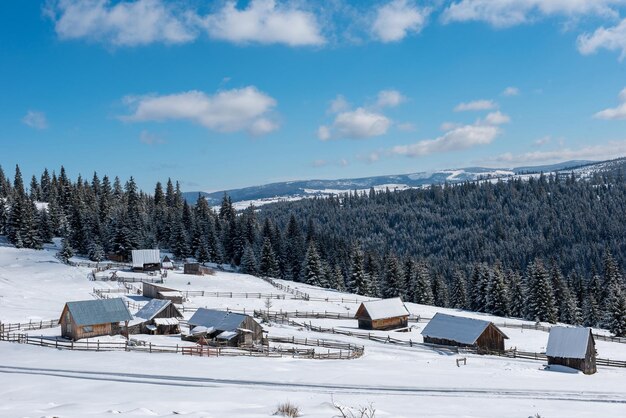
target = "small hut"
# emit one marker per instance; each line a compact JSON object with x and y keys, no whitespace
{"x":153,"y":291}
{"x":146,"y":260}
{"x":197,"y":269}
{"x":167,"y":264}
{"x":226,"y":328}
{"x":463,"y":332}
{"x":383,"y":314}
{"x":93,"y":318}
{"x":159,"y":317}
{"x":572,"y":347}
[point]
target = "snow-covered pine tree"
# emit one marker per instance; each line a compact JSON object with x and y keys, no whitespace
{"x":393,"y":279}
{"x":66,"y":251}
{"x":615,"y":311}
{"x":96,"y":252}
{"x":312,"y":272}
{"x":458,"y":293}
{"x":440,"y":291}
{"x":202,"y":252}
{"x":497,"y":297}
{"x":268,"y":266}
{"x":339,"y":282}
{"x":516,"y":294}
{"x":423,"y":290}
{"x":248,"y":261}
{"x":591,"y":315}
{"x":359,"y":281}
{"x":540,"y":299}
{"x":569,"y":312}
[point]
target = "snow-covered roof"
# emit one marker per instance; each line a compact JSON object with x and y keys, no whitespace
{"x":219,"y":320}
{"x":382,"y":309}
{"x":226,"y":335}
{"x":99,"y":311}
{"x":166,"y":321}
{"x":152,"y":308}
{"x":568,"y":342}
{"x":141,"y":257}
{"x":170,"y":293}
{"x":201,"y":330}
{"x":455,"y":328}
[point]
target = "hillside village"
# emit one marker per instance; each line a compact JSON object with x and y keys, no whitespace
{"x":139,"y":324}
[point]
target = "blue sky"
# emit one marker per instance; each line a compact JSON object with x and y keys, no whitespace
{"x":222,"y":95}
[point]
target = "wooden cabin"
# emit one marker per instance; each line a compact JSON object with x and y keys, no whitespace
{"x":159,"y":317}
{"x":153,"y":291}
{"x":197,"y":269}
{"x":463,"y":332}
{"x":572,"y":347}
{"x":167,"y":263}
{"x":225,"y":328}
{"x":383,"y":314}
{"x":146,"y":260}
{"x":93,"y":318}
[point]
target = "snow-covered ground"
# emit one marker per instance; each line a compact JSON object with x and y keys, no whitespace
{"x":398,"y":381}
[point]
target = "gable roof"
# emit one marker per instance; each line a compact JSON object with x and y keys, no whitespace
{"x":99,"y":311}
{"x":382,"y":309}
{"x":141,"y":257}
{"x":568,"y":342}
{"x":154,"y":307}
{"x":218,"y":320}
{"x":456,"y":328}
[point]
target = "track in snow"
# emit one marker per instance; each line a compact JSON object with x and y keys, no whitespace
{"x":137,"y":378}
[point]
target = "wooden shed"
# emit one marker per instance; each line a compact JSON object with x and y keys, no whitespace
{"x":167,"y":263}
{"x":383,"y":314}
{"x":159,"y":317}
{"x":153,"y":291}
{"x":572,"y":347}
{"x":197,"y":269}
{"x":93,"y":318}
{"x":146,"y":260}
{"x":463,"y":332}
{"x":227,"y":328}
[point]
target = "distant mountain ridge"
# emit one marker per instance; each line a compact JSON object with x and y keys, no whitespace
{"x":294,"y":190}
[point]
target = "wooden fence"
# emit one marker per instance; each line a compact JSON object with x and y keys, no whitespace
{"x":298,"y":294}
{"x":28,"y":326}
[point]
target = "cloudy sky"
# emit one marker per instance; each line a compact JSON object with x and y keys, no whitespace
{"x":223,"y":94}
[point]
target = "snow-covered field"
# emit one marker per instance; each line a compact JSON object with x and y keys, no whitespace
{"x":398,"y":381}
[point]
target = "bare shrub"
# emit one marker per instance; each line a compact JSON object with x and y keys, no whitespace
{"x":352,"y":412}
{"x":287,"y":409}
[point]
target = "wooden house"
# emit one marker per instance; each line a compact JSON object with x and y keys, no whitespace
{"x":154,"y":291}
{"x":93,"y":318}
{"x":463,"y":332}
{"x":197,"y":269}
{"x":146,"y":260}
{"x":572,"y":347}
{"x":159,"y":317}
{"x":383,"y":314}
{"x":227,"y":328}
{"x":167,"y":263}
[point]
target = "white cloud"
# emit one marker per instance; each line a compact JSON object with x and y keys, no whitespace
{"x":358,"y":124}
{"x":609,"y":150}
{"x":448,"y":126}
{"x":396,"y":19}
{"x":35,"y":119}
{"x":150,"y":139}
{"x":406,"y":127}
{"x":324,"y":163}
{"x":618,"y":112}
{"x":338,"y":104}
{"x":389,"y":98}
{"x":323,"y":133}
{"x":460,"y":138}
{"x":319,"y":163}
{"x":245,"y":109}
{"x":505,"y":13}
{"x":126,"y":23}
{"x":476,"y":105}
{"x":265,"y":22}
{"x":613,"y":39}
{"x":497,"y":118}
{"x":540,"y":142}
{"x":511,"y":91}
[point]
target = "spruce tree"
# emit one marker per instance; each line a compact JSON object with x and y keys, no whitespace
{"x":615,"y":311}
{"x":497,"y":298}
{"x":268,"y":266}
{"x":359,"y":281}
{"x":591,"y":314}
{"x":394,"y":278}
{"x":66,"y":251}
{"x":248,"y":261}
{"x":540,"y":299}
{"x":312,"y":273}
{"x":440,"y":291}
{"x":516,"y":294}
{"x":423,"y":289}
{"x":458,"y":294}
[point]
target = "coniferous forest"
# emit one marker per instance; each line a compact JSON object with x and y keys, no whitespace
{"x":549,"y":248}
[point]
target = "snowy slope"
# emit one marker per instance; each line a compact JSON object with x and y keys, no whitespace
{"x":399,"y":381}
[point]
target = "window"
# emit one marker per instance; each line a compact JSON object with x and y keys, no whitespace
{"x":87,"y":328}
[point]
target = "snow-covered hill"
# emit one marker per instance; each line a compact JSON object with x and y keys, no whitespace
{"x":398,"y":381}
{"x":296,"y":190}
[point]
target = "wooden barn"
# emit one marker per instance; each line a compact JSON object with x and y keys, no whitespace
{"x":159,"y":317}
{"x":463,"y":332}
{"x":153,"y":291}
{"x":197,"y":269}
{"x":383,"y":314}
{"x":146,"y":260}
{"x":572,"y":347}
{"x":225,"y":328}
{"x":167,"y":263}
{"x":93,"y":318}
